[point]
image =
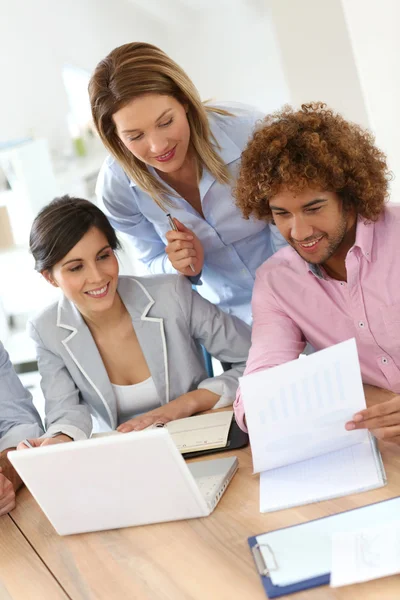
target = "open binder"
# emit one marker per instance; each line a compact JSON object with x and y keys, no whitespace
{"x":297,"y":558}
{"x":296,"y":414}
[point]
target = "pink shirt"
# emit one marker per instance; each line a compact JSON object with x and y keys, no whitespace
{"x":294,"y":303}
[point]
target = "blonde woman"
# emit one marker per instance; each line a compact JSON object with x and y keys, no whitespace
{"x":170,"y":153}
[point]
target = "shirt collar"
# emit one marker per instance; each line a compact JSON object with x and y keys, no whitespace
{"x":316,"y":270}
{"x":226,"y":148}
{"x":134,"y":295}
{"x":364,"y":240}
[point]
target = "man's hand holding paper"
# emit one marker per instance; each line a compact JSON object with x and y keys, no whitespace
{"x":383,"y":420}
{"x":296,"y":415}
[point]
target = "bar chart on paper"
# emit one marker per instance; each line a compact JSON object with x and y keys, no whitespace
{"x":298,"y":439}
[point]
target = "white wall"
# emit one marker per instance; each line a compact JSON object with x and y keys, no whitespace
{"x":317,"y":55}
{"x":38,"y":37}
{"x":230,"y":52}
{"x":231,"y":56}
{"x":263,"y":52}
{"x":374,"y":31}
{"x":345,"y":53}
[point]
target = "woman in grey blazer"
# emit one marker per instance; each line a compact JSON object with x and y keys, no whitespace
{"x":126,"y":350}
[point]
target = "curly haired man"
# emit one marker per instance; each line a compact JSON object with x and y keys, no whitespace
{"x":324,"y":183}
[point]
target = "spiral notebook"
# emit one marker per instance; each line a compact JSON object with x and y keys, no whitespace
{"x":296,"y":414}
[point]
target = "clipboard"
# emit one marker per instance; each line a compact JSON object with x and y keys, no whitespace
{"x":236,"y":439}
{"x":379,"y":513}
{"x":274,"y":591}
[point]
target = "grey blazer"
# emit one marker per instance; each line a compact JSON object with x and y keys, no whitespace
{"x":18,"y":416}
{"x":171,"y":321}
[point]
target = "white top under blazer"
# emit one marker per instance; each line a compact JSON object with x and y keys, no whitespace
{"x":171,"y":322}
{"x":133,"y":400}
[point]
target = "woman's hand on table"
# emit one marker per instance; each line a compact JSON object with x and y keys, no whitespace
{"x":184,"y":249}
{"x":184,"y":406}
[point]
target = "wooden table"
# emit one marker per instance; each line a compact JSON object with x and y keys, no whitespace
{"x":198,"y":559}
{"x":22,"y":573}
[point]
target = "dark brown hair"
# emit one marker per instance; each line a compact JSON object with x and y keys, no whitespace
{"x":313,"y":147}
{"x":60,"y":225}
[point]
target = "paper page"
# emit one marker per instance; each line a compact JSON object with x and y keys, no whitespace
{"x":304,"y":551}
{"x":365,"y":554}
{"x":298,"y":410}
{"x":332,"y":475}
{"x":201,"y":432}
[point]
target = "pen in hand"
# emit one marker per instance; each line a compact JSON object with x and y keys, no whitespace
{"x":174,"y":228}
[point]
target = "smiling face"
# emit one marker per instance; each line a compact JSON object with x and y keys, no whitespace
{"x":88,"y":274}
{"x":314,"y":223}
{"x":155,"y":130}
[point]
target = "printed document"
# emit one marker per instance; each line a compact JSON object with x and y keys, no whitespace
{"x":365,"y":554}
{"x":296,"y":415}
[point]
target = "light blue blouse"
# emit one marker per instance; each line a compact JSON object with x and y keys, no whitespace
{"x":233,"y":246}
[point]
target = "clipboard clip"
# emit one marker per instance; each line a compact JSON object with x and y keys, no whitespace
{"x":261,"y":566}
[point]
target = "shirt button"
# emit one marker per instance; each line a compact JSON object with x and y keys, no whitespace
{"x":342,"y":283}
{"x":384,"y":360}
{"x":361,"y":324}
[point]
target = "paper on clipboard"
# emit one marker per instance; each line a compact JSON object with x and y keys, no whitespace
{"x":365,"y":554}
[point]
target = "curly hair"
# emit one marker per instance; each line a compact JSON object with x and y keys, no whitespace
{"x":312,"y":148}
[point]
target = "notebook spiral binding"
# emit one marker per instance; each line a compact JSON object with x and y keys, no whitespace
{"x":262,"y":568}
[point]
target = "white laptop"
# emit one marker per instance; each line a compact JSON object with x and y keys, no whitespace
{"x":121,"y":480}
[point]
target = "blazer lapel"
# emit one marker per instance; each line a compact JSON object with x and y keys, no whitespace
{"x":150,"y":332}
{"x":83,"y":351}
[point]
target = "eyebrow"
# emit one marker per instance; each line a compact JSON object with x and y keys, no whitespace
{"x":81,"y":259}
{"x":312,"y":203}
{"x":158,"y":119}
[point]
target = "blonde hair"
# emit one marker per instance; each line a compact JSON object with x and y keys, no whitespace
{"x":133,"y":70}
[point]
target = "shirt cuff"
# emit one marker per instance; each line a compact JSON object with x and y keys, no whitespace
{"x":196,"y":280}
{"x":217,"y":387}
{"x":16,"y":434}
{"x":73,"y":432}
{"x":239,"y":412}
